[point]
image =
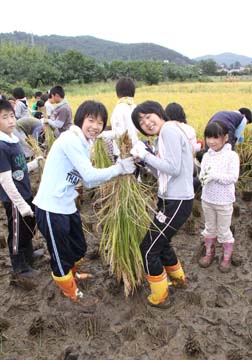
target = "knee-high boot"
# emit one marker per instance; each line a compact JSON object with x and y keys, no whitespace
{"x":68,"y":286}
{"x":226,"y":259}
{"x":159,"y":289}
{"x":207,"y":260}
{"x":176,"y":275}
{"x":77,"y":275}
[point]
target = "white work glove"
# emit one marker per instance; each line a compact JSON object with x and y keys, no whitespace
{"x":139,"y":150}
{"x":206,"y":177}
{"x":25,"y":209}
{"x":34,"y":164}
{"x":127,"y":166}
{"x":106,"y":135}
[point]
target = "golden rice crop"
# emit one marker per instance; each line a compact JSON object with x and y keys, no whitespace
{"x":199,"y":100}
{"x":124,"y":218}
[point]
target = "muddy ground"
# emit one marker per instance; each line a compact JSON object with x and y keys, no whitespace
{"x":210,"y":320}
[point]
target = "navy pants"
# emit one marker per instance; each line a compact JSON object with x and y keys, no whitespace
{"x":156,"y":248}
{"x":21,"y":230}
{"x":65,"y":239}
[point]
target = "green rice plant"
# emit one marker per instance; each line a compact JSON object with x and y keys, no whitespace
{"x":124,"y":216}
{"x":244,"y":150}
{"x":102,"y":159}
{"x":49,"y":137}
{"x":36,"y":150}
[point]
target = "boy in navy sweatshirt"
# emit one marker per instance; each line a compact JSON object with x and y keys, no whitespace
{"x":15,"y":193}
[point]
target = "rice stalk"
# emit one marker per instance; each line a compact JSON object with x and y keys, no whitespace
{"x":124,"y":216}
{"x":102,"y":159}
{"x":244,"y":150}
{"x":37,"y":151}
{"x":49,"y":137}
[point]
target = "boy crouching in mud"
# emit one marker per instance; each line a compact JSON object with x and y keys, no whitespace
{"x":58,"y":219}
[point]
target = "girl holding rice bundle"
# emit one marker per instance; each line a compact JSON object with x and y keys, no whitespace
{"x":173,"y":166}
{"x":58,"y":219}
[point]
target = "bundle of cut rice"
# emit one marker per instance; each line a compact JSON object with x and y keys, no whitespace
{"x":124,"y":215}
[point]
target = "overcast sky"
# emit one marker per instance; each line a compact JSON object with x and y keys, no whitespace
{"x":190,"y":27}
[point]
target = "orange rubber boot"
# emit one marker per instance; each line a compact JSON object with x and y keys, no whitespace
{"x":77,"y":275}
{"x":68,"y":286}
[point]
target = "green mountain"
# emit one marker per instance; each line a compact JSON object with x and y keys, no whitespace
{"x":101,"y":50}
{"x":227,"y":58}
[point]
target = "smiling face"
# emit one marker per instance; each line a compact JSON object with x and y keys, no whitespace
{"x":7,"y":121}
{"x":92,"y":126}
{"x":216,"y":144}
{"x":151,"y":123}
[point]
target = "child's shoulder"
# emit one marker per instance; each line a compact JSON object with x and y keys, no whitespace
{"x":234,"y":154}
{"x":5,"y":145}
{"x":9,"y":149}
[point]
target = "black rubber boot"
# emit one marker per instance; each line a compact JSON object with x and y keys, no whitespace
{"x":21,"y":267}
{"x":23,"y":275}
{"x":19,"y":263}
{"x":32,"y":255}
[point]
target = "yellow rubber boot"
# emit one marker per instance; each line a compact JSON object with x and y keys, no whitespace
{"x":176,"y":274}
{"x":159,"y":289}
{"x":68,"y":286}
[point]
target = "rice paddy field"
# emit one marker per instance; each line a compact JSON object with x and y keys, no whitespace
{"x":209,"y":320}
{"x":199,"y":100}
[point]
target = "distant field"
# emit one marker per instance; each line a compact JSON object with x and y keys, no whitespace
{"x":200,"y":100}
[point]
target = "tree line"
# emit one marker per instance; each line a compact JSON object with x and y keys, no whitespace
{"x":33,"y":66}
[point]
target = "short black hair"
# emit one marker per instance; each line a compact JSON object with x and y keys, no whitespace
{"x":40,"y":103}
{"x":125,"y":87}
{"x":90,"y":107}
{"x":57,"y":90}
{"x":6,"y":105}
{"x":216,"y":129}
{"x":247,"y":113}
{"x":18,"y":93}
{"x":175,"y":111}
{"x":44,"y":97}
{"x":147,"y":107}
{"x":38,"y":93}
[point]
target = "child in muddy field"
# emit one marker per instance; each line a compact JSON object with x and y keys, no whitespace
{"x":15,"y":193}
{"x":58,"y":219}
{"x":21,"y":104}
{"x":175,"y":112}
{"x":218,"y":175}
{"x":121,"y":115}
{"x":173,"y":166}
